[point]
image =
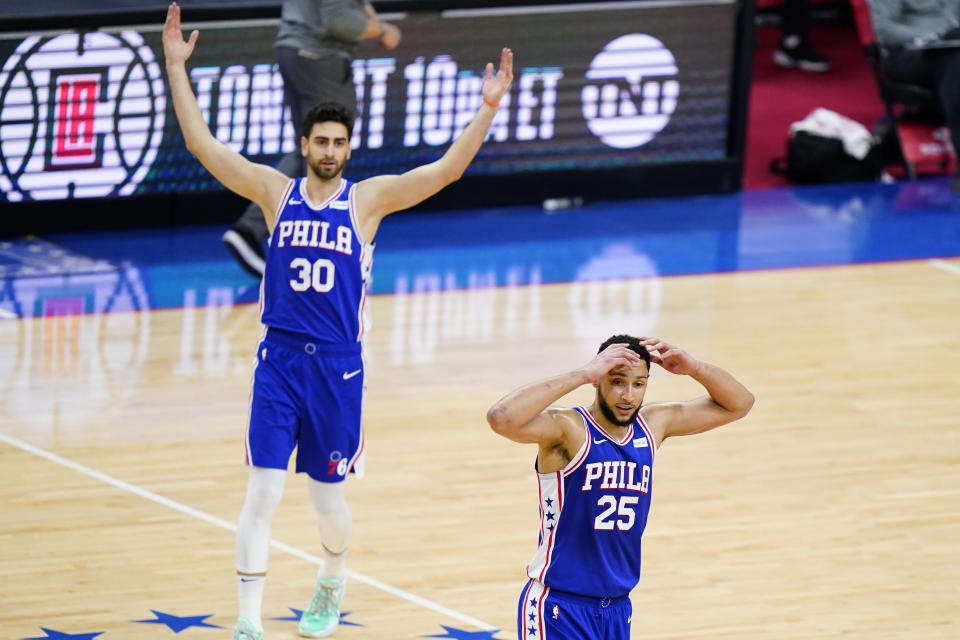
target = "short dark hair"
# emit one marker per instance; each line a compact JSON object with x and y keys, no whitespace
{"x":328,"y":112}
{"x":632,"y":343}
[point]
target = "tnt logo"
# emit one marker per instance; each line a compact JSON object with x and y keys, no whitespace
{"x":634,"y":91}
{"x":81,"y":115}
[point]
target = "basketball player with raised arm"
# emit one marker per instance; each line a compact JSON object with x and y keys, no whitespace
{"x":595,"y":472}
{"x":308,"y":376}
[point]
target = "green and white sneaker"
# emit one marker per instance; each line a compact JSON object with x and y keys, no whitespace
{"x":321,"y":618}
{"x":246,"y":631}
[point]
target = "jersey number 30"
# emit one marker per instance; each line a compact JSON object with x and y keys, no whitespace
{"x":318,"y":275}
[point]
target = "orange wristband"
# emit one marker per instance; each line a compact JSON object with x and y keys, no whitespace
{"x":492,"y":104}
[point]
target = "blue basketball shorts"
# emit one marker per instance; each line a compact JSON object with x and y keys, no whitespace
{"x":306,"y":396}
{"x":546,"y":614}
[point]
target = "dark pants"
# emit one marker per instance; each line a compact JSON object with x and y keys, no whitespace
{"x":307,"y":81}
{"x":936,"y":69}
{"x":795,"y":19}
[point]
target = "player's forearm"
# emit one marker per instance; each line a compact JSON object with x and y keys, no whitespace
{"x":195,"y":130}
{"x":724,"y":389}
{"x":524,"y":404}
{"x":461,"y":153}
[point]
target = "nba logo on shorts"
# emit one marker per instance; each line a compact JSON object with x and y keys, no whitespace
{"x":81,"y":115}
{"x":631,"y":92}
{"x":556,"y":612}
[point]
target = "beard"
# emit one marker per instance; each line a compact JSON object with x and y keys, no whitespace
{"x":608,"y":413}
{"x":324,"y":173}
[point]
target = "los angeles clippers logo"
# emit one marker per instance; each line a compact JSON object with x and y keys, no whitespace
{"x":71,"y":140}
{"x":81,"y":115}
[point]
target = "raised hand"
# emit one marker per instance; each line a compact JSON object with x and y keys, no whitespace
{"x":495,"y":86}
{"x":673,"y":359}
{"x":614,"y":356}
{"x":390,"y":37}
{"x":175,"y":48}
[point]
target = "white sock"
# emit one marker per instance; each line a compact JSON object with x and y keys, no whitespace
{"x":250,"y":595}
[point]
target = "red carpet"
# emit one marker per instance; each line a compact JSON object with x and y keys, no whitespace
{"x":780,"y":96}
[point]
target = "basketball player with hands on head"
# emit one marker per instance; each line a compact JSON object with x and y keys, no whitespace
{"x":309,"y":373}
{"x":595,"y":473}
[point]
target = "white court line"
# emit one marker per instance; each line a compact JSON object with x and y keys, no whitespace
{"x":223,"y":524}
{"x":946,"y":266}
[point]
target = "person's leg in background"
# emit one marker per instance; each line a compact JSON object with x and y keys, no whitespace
{"x":946,"y":65}
{"x":939,"y":71}
{"x":307,"y":81}
{"x":795,"y":49}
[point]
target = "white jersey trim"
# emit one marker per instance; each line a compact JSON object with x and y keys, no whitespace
{"x":358,"y":461}
{"x":581,"y":454}
{"x":325,"y":203}
{"x":253,"y":375}
{"x":366,"y":263}
{"x":283,"y":201}
{"x":550,"y":487}
{"x":276,"y":220}
{"x":354,"y":218}
{"x":650,"y":438}
{"x":626,"y":439}
{"x":535,"y":590}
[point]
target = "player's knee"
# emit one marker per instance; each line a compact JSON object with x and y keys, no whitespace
{"x":264,"y":491}
{"x":327,"y":497}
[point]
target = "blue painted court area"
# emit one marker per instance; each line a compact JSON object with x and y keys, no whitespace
{"x":470,"y":248}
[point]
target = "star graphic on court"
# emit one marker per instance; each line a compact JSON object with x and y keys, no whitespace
{"x":463,"y":634}
{"x":178,"y":623}
{"x":299,"y":612}
{"x":60,"y":635}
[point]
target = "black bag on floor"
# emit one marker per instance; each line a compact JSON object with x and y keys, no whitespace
{"x":812,"y":159}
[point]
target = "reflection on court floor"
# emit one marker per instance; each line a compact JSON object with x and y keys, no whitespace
{"x":124,"y":382}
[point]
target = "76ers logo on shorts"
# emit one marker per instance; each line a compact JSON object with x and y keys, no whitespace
{"x":337,"y":464}
{"x":80,"y":116}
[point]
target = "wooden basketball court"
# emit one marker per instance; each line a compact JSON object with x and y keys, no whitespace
{"x":831,"y":511}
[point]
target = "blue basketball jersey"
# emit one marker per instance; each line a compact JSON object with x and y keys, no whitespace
{"x":317,"y":267}
{"x":593,"y":513}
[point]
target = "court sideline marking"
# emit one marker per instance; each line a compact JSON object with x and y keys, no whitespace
{"x":946,"y":266}
{"x":219,"y":522}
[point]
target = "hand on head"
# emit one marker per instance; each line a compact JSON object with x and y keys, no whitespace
{"x":673,"y":359}
{"x":616,"y":355}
